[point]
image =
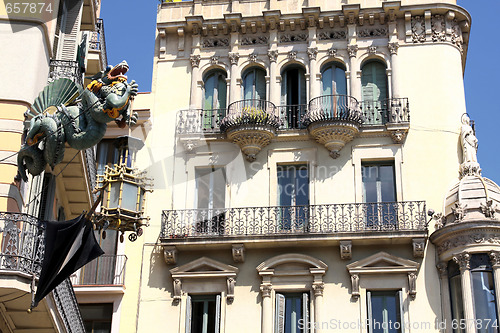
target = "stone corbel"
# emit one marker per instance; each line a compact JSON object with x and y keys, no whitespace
{"x":408,"y":26}
{"x":345,"y":250}
{"x":170,"y":255}
{"x":230,"y":289}
{"x":412,"y":285}
{"x":428,"y":25}
{"x":177,"y":290}
{"x":398,"y":136}
{"x":418,"y":247}
{"x":162,"y":33}
{"x":238,"y":251}
{"x":180,"y":34}
{"x":355,"y":286}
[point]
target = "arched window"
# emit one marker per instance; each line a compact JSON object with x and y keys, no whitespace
{"x":373,"y":82}
{"x":214,"y":98}
{"x":293,"y":96}
{"x":333,"y":80}
{"x":254,"y":84}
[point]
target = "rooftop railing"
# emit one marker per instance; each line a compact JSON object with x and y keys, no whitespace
{"x":294,"y":220}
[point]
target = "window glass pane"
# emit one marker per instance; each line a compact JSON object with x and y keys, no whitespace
{"x":457,"y":307}
{"x":340,"y":82}
{"x":385,"y":316}
{"x":221,"y":92}
{"x":97,"y":317}
{"x":484,"y":299}
{"x":374,"y":82}
{"x":293,"y":313}
{"x":203,"y":314}
{"x":327,"y":81}
{"x":248,"y":84}
{"x":209,"y":92}
{"x":260,"y":88}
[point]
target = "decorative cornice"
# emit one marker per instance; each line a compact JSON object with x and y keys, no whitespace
{"x":195,"y":60}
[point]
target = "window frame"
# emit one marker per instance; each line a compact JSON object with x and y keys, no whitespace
{"x":280,"y":307}
{"x":255,"y":84}
{"x":203,"y":298}
{"x":333,"y":65}
{"x":398,"y":296}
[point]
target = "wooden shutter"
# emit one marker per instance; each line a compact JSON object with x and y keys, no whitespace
{"x":69,"y":31}
{"x":188,"y":314}
{"x":280,"y":313}
{"x":369,"y":314}
{"x":260,"y":84}
{"x":217,"y":313}
{"x":302,"y":87}
{"x":305,"y":311}
{"x":399,"y":298}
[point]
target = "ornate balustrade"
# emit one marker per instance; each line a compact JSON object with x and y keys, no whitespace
{"x":108,"y":269}
{"x":200,"y":121}
{"x":251,"y":112}
{"x":292,"y":116}
{"x":98,"y":42}
{"x":392,"y":110}
{"x":333,"y":108}
{"x":294,"y":220}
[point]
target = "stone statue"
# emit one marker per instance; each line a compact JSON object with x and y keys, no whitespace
{"x":469,"y":141}
{"x":65,"y":112}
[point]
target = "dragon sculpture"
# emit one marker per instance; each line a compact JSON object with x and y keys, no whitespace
{"x":66,"y":112}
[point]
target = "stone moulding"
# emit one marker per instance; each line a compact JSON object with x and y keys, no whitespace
{"x":251,"y":138}
{"x":333,"y":134}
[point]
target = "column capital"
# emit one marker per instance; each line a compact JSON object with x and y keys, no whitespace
{"x":195,"y":60}
{"x":312,"y":52}
{"x":393,"y":48}
{"x":266,"y":289}
{"x":318,"y":288}
{"x":273,"y":55}
{"x":462,"y":260}
{"x":352,"y":50}
{"x":495,"y":259}
{"x":233,"y":58}
{"x":442,"y":268}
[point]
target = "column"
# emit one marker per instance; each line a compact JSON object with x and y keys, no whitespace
{"x":273,"y":87}
{"x":318,"y":304}
{"x":312,"y":52}
{"x":445,"y":295}
{"x":393,"y":49}
{"x":267,"y":308}
{"x":355,"y":80}
{"x":463,"y":261}
{"x":495,"y":263}
{"x":233,"y":87}
{"x":195,"y":64}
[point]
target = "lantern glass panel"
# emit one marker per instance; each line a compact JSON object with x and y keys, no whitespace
{"x":129,"y":199}
{"x":141,"y":199}
{"x":114,"y":195}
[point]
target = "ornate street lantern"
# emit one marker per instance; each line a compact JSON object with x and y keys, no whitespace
{"x":123,"y":192}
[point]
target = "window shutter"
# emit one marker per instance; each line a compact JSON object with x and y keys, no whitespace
{"x":305,"y":312}
{"x":369,"y":305}
{"x":260,"y":84}
{"x":280,"y":313}
{"x":221,"y":92}
{"x":188,"y":314}
{"x":217,"y":313}
{"x":69,"y":33}
{"x":302,"y":87}
{"x":401,"y":311}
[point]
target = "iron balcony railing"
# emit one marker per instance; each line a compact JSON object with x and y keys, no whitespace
{"x":200,"y":121}
{"x":250,"y":112}
{"x":98,"y":42}
{"x":292,"y":116}
{"x":392,"y":110}
{"x":67,"y":306}
{"x":333,"y":108}
{"x":285,"y":220}
{"x":65,"y":69}
{"x":106,"y":270}
{"x":91,"y":166}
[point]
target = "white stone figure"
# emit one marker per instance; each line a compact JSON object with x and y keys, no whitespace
{"x":469,"y":141}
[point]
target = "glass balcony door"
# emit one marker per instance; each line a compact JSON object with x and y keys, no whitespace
{"x":293,"y":96}
{"x":334,"y":85}
{"x":293,"y":196}
{"x":214,"y":99}
{"x":211,"y":199}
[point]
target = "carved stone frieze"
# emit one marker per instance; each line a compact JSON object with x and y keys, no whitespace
{"x":372,"y":32}
{"x":470,"y":239}
{"x":345,"y":249}
{"x":418,"y":29}
{"x":462,"y":260}
{"x":254,"y":40}
{"x":215,"y":42}
{"x":233,"y":57}
{"x":418,"y":247}
{"x":273,"y":55}
{"x":334,"y":34}
{"x":352,"y":50}
{"x":456,"y":34}
{"x":170,"y":255}
{"x":293,"y":38}
{"x":238,"y":251}
{"x":312,"y":52}
{"x":195,"y":60}
{"x":438,"y":28}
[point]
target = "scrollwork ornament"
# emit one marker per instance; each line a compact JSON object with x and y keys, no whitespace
{"x":195,"y":60}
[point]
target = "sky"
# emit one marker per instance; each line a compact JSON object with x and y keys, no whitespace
{"x":130,"y":35}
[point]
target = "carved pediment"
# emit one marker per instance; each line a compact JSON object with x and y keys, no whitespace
{"x":382,"y":262}
{"x":202,"y":267}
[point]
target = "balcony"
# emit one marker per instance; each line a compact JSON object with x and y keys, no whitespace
{"x":107,"y":270}
{"x":389,"y":222}
{"x":251,"y":124}
{"x":22,"y":246}
{"x":333,"y":120}
{"x":97,"y":56}
{"x":65,"y":69}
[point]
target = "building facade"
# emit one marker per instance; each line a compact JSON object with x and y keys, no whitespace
{"x":303,"y":153}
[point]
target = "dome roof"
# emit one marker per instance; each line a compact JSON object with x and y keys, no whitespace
{"x":472,"y":198}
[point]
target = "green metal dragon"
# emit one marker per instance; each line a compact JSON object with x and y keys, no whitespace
{"x":66,"y":112}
